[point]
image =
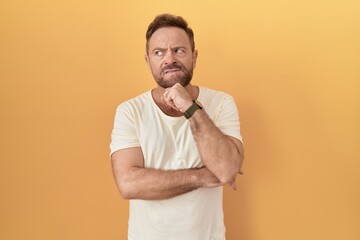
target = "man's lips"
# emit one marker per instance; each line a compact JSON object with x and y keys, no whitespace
{"x":172,"y":70}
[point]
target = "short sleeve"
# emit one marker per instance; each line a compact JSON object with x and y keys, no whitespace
{"x":227,"y":119}
{"x":124,"y":134}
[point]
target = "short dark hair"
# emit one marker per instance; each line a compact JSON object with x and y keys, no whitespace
{"x":169,"y":20}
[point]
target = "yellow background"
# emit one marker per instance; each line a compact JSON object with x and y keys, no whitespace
{"x":293,"y":68}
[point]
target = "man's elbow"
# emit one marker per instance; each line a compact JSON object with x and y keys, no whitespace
{"x":228,"y":176}
{"x":227,"y":179}
{"x":125,"y":194}
{"x":125,"y":191}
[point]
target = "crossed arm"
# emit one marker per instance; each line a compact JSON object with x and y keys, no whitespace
{"x":136,"y":182}
{"x":222,"y":156}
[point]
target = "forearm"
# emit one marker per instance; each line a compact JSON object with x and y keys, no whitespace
{"x":153,"y":184}
{"x":218,"y":152}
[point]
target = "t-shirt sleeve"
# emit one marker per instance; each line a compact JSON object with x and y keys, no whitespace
{"x":228,"y":118}
{"x":124,"y":133}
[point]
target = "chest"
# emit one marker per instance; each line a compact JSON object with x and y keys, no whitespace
{"x":167,"y":143}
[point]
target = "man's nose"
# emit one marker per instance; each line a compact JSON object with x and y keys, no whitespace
{"x":170,"y":57}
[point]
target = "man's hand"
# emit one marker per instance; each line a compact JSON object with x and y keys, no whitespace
{"x":178,"y":98}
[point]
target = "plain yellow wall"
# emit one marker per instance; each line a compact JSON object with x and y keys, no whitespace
{"x":292,"y":66}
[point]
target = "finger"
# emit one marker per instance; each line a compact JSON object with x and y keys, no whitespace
{"x":169,"y":100}
{"x":233,"y":186}
{"x":171,"y":103}
{"x":167,"y":94}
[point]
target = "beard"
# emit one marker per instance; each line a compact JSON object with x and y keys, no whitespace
{"x":182,"y":76}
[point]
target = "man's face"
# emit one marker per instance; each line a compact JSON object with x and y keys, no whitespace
{"x":170,"y":57}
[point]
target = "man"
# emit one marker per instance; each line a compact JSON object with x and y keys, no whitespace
{"x":174,"y":147}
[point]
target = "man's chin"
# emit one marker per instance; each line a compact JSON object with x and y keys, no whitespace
{"x":169,"y":82}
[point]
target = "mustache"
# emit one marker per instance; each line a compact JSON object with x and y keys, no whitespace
{"x":173,"y":66}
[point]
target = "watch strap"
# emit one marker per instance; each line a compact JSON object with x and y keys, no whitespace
{"x":191,"y":110}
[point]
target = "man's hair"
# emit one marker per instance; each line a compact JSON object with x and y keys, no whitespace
{"x":169,"y":20}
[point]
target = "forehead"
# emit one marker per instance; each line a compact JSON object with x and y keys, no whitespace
{"x":169,"y":37}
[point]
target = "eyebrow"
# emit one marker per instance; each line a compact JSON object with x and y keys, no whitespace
{"x":165,"y":49}
{"x":159,"y":49}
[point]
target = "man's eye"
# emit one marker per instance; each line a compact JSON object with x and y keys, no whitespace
{"x":180,"y":51}
{"x":158,"y":53}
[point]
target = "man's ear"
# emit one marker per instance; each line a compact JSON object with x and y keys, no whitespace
{"x":195,"y":55}
{"x":147,"y":60}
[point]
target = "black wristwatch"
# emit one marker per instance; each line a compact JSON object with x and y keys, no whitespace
{"x":196,"y":105}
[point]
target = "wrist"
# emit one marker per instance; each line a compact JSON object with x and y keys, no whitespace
{"x":187,"y":106}
{"x":196,"y":105}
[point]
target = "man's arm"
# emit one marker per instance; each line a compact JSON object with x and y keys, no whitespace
{"x":221,"y":154}
{"x":136,"y":182}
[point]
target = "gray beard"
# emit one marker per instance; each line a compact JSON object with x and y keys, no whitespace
{"x":183,"y":80}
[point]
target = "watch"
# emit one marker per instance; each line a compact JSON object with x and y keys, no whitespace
{"x":196,"y":105}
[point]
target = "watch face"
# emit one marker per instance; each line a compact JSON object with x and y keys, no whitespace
{"x":198,"y":103}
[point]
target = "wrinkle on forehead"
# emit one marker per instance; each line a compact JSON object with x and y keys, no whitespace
{"x":169,"y":37}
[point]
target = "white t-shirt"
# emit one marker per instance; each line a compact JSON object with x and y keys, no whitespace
{"x":167,"y":143}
